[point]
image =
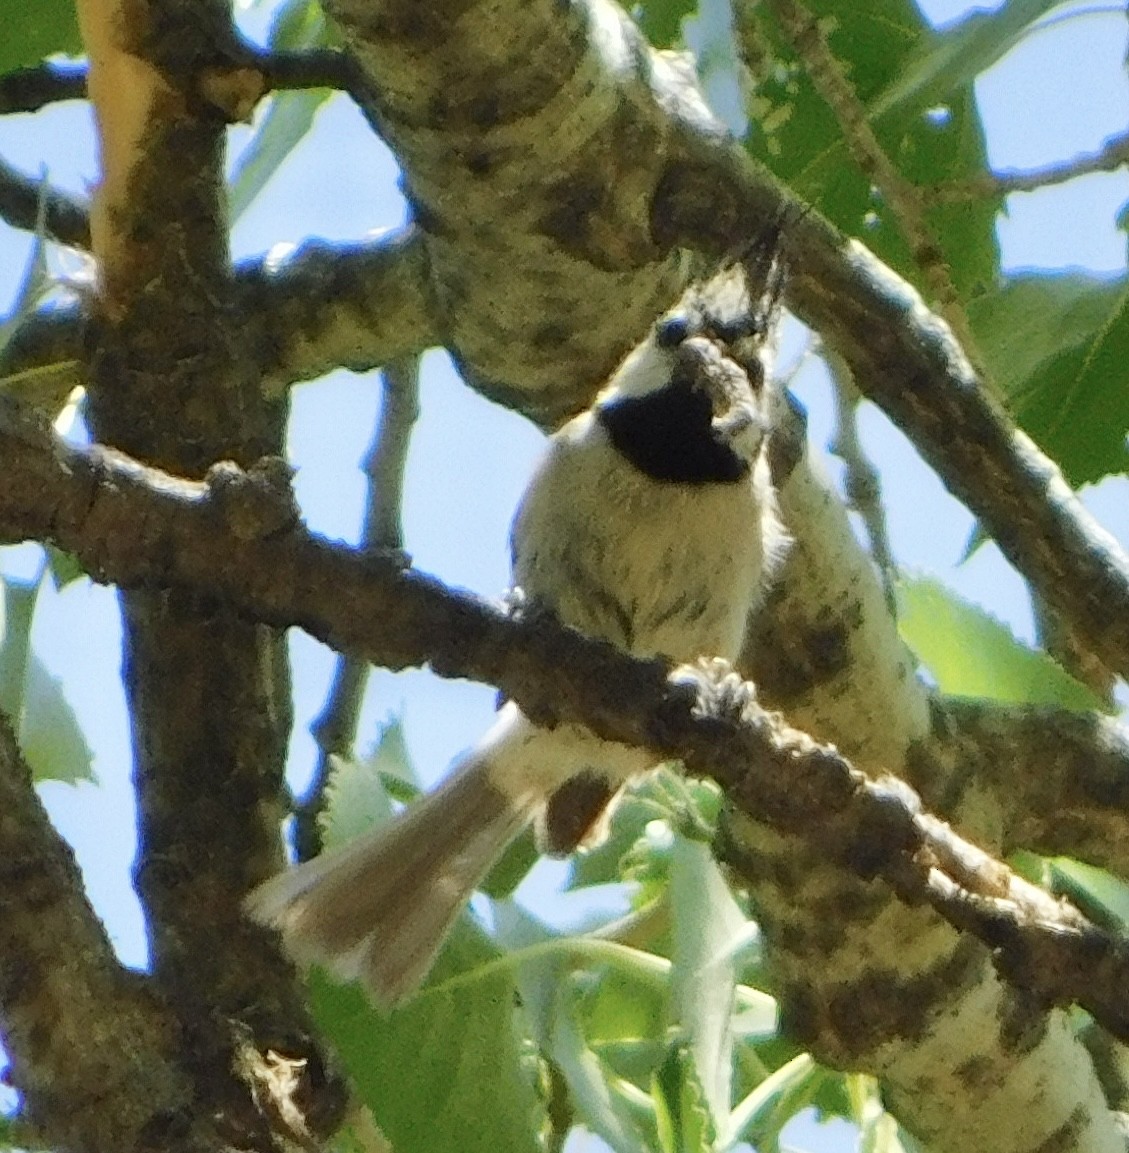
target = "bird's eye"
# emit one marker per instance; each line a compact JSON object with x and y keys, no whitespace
{"x":671,"y":331}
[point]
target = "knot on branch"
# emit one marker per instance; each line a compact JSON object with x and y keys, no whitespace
{"x":254,"y":504}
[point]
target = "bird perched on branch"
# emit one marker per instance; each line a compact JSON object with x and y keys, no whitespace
{"x":651,"y":523}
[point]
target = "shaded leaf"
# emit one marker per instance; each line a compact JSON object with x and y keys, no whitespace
{"x":684,"y":1121}
{"x":63,"y":566}
{"x":1058,"y":347}
{"x":426,"y":1070}
{"x":661,"y":20}
{"x":33,"y":31}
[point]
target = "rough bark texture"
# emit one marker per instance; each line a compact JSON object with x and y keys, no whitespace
{"x":557,"y":169}
{"x":208,"y":692}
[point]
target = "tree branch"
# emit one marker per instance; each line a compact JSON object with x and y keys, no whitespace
{"x":301,"y":312}
{"x":87,"y":1042}
{"x":1113,"y":154}
{"x":335,"y":727}
{"x":1074,"y":803}
{"x":65,"y":219}
{"x":236,"y":537}
{"x":905,"y":359}
{"x":808,"y":40}
{"x":309,"y":310}
{"x":29,"y":89}
{"x":169,"y":379}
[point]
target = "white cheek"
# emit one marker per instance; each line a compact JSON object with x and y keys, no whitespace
{"x":646,"y":368}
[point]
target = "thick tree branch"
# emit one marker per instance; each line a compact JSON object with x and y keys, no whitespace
{"x":301,"y":312}
{"x":309,"y":310}
{"x":236,"y":537}
{"x":87,"y":1043}
{"x":590,"y":245}
{"x":1064,"y":775}
{"x":169,"y":379}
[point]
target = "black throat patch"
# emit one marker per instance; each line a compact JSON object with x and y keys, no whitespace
{"x":669,"y":436}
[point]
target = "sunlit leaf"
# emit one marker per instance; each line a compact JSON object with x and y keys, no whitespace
{"x":970,"y":653}
{"x":707,"y":924}
{"x":357,"y":795}
{"x":50,"y":736}
{"x":1095,"y":890}
{"x":950,"y":58}
{"x":426,"y":1070}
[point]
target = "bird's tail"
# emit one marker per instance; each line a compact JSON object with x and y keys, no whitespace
{"x":378,"y":909}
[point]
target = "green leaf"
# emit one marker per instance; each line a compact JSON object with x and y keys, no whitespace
{"x":560,"y":1006}
{"x":444,"y":1072}
{"x":49,"y":734}
{"x":601,"y":865}
{"x":288,"y":116}
{"x":796,"y":134}
{"x":33,"y":31}
{"x":357,"y":797}
{"x":603,"y":1111}
{"x":685,"y":1124}
{"x":631,"y":851}
{"x":972,"y":654}
{"x":512,"y":866}
{"x":1058,"y":346}
{"x":1098,"y":893}
{"x":709,"y":928}
{"x":950,"y":59}
{"x":63,"y":566}
{"x":661,"y":20}
{"x":768,"y":1108}
{"x":425,"y":1070}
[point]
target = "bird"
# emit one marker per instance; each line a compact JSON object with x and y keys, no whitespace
{"x":650,"y":522}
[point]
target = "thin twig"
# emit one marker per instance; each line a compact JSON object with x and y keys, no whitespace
{"x":335,"y":727}
{"x":30,"y":89}
{"x":1113,"y":154}
{"x":862,"y":482}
